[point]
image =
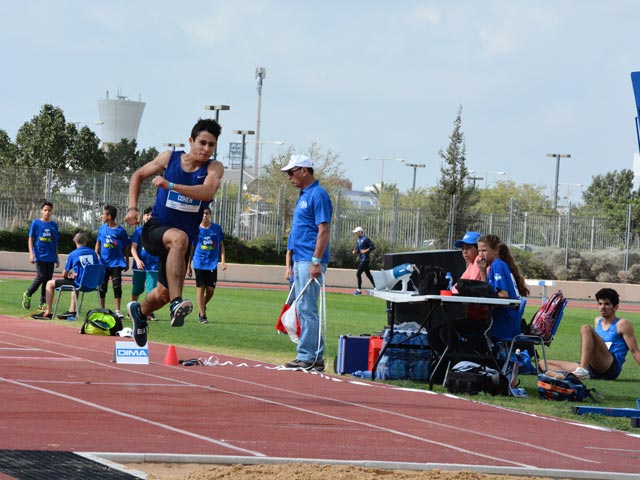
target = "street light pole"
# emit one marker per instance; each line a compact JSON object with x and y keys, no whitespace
{"x":487,"y":174}
{"x":244,"y":134}
{"x":474,"y":179}
{"x":217,"y":109}
{"x":173,"y":146}
{"x":557,"y":156}
{"x":262,"y":142}
{"x":261,"y":74}
{"x":382,"y":172}
{"x":569,"y":185}
{"x":415,"y":166}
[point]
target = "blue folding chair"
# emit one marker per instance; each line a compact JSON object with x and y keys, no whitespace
{"x":89,"y":281}
{"x":523,"y":338}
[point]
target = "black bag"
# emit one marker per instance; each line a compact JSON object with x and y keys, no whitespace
{"x":431,"y":279}
{"x":475,"y":288}
{"x":471,"y":378}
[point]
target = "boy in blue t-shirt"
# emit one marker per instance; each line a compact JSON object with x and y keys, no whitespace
{"x":111,"y":247}
{"x":43,"y":251}
{"x":205,"y":255}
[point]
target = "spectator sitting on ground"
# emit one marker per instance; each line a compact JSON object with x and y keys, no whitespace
{"x":604,"y":346}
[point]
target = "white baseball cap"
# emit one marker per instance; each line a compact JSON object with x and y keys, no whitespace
{"x":298,"y":161}
{"x":358,"y":229}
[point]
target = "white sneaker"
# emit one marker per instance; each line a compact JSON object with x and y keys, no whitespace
{"x":582,"y":373}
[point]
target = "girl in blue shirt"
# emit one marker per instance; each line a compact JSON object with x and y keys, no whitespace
{"x":499,"y":269}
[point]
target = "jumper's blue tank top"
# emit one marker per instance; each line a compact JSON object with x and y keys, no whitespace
{"x":178,"y":210}
{"x":614,"y":341}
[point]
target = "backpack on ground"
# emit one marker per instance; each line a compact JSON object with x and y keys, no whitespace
{"x":564,"y":386}
{"x":472,"y":378}
{"x":101,"y":321}
{"x":431,"y":279}
{"x":545,"y":319}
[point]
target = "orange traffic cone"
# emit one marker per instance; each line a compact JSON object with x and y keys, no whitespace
{"x":171,"y":357}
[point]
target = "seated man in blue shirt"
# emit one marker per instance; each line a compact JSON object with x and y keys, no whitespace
{"x":605,"y":345}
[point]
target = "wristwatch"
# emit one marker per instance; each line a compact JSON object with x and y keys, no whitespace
{"x":315,"y":260}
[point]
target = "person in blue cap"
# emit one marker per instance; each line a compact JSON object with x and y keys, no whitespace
{"x":438,"y":337}
{"x":469,"y":246}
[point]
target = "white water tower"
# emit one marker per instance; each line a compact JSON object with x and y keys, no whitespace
{"x":121,"y":118}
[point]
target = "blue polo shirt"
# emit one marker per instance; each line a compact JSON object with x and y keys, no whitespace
{"x":313,"y":208}
{"x":506,"y":323}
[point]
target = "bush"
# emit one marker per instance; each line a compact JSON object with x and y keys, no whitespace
{"x":530,"y":266}
{"x":632,"y":275}
{"x":18,"y":240}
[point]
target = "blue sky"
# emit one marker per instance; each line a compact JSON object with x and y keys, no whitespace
{"x":362,"y":78}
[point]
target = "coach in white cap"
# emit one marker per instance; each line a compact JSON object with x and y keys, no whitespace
{"x":309,"y":241}
{"x":364,"y":247}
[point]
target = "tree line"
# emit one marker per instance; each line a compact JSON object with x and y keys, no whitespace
{"x":49,"y":141}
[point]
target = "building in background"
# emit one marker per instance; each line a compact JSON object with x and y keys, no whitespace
{"x":121,"y":119}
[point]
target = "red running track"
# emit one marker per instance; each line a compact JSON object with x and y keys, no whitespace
{"x":61,"y":391}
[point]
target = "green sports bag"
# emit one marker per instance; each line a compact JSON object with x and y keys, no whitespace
{"x":101,"y":321}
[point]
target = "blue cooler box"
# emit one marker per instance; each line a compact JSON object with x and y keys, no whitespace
{"x":353,"y":354}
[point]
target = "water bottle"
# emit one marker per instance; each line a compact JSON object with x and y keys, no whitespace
{"x":366,"y":374}
{"x":449,"y":277}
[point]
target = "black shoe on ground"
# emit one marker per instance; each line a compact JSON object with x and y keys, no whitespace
{"x":179,"y":310}
{"x":67,"y":315}
{"x":140,"y":326}
{"x":42,"y":316}
{"x":202,"y":319}
{"x":317,"y":366}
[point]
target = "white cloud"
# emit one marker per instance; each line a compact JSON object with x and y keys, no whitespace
{"x":426,"y":14}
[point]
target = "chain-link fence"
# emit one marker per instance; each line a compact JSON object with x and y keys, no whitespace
{"x":78,"y":200}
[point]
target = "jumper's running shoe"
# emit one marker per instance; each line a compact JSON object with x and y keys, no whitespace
{"x":140,"y":326}
{"x":179,"y":310}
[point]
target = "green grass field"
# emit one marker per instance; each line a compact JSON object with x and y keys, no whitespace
{"x":242,"y":321}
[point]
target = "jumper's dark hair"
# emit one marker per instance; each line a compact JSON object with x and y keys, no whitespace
{"x":608,"y":294}
{"x":505,"y":255}
{"x":206,"y":125}
{"x":111,"y":210}
{"x":46,"y":203}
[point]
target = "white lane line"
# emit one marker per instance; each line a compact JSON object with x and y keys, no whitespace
{"x":547,"y":451}
{"x":134,"y":417}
